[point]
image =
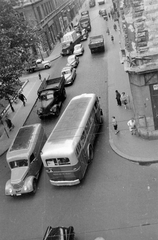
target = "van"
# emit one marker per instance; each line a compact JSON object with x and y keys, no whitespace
{"x":24,"y":160}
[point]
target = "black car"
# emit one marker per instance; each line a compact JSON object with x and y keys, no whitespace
{"x":59,"y":233}
{"x":84,"y":34}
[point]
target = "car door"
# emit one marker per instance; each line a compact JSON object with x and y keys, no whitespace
{"x":35,"y":165}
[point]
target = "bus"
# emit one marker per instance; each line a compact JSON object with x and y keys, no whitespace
{"x":69,"y":148}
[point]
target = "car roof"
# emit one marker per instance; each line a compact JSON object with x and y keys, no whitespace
{"x":71,"y":57}
{"x":77,"y":45}
{"x":66,"y":68}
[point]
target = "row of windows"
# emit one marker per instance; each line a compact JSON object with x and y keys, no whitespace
{"x":47,"y":8}
{"x":85,"y":132}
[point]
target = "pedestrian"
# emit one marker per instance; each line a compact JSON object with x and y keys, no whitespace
{"x":124,"y":99}
{"x":112,"y":38}
{"x":115,"y":125}
{"x":58,"y":37}
{"x":109,"y":15}
{"x":118,"y":98}
{"x":115,"y":27}
{"x":132,"y":126}
{"x":108,"y":32}
{"x":9,"y":123}
{"x":40,"y":77}
{"x":22,"y":98}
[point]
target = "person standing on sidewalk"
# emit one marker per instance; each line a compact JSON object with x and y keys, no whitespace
{"x":115,"y":125}
{"x":9,"y":123}
{"x":118,"y":98}
{"x":132,"y":126}
{"x":22,"y":98}
{"x":124,"y":99}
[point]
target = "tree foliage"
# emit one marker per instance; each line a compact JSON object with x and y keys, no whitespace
{"x":16,"y":40}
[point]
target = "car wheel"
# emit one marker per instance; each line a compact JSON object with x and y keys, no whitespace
{"x":46,"y":67}
{"x":90,"y":153}
{"x":34,"y":186}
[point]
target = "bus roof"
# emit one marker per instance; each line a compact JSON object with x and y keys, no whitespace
{"x":24,"y":140}
{"x":70,"y":125}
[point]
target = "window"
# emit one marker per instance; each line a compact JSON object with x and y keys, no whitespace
{"x":58,"y":161}
{"x":39,"y":13}
{"x":32,"y":157}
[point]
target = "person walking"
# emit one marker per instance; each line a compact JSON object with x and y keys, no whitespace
{"x":124,"y":99}
{"x":22,"y":98}
{"x":118,"y":98}
{"x":115,"y":27}
{"x":112,"y":38}
{"x":115,"y":125}
{"x":40,"y":77}
{"x":132,"y":126}
{"x":9,"y":123}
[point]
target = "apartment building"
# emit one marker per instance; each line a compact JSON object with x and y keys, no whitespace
{"x":49,"y":18}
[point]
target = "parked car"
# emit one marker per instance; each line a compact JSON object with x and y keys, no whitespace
{"x":102,"y":12}
{"x":39,"y":64}
{"x":84,"y":34}
{"x":69,"y":74}
{"x":78,"y":49}
{"x":73,"y":61}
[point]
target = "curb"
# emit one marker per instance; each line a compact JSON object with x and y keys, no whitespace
{"x":8,"y":106}
{"x":141,"y":161}
{"x":55,"y":58}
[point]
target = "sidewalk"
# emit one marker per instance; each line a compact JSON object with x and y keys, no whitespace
{"x":21,"y":113}
{"x":129,"y":146}
{"x":124,"y":144}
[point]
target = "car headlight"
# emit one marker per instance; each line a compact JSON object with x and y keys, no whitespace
{"x":10,"y":190}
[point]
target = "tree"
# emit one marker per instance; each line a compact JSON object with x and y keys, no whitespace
{"x":16,"y":40}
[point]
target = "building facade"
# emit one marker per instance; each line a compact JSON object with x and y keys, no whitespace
{"x":50,"y":18}
{"x":139,"y":20}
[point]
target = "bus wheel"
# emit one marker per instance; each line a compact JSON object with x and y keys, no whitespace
{"x":90,"y":153}
{"x":100,"y":120}
{"x":34,"y":186}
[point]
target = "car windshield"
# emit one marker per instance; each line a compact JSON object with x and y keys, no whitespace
{"x":47,"y":95}
{"x":71,"y":59}
{"x":19,"y":163}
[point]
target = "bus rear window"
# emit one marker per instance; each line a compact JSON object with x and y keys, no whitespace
{"x":57,"y":161}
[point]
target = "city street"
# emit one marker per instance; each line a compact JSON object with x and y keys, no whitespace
{"x":117,"y":200}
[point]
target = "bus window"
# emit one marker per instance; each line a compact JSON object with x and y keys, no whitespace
{"x":58,"y":161}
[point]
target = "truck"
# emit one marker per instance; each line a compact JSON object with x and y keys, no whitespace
{"x":100,"y":2}
{"x":91,"y":3}
{"x":24,"y":160}
{"x":38,"y":64}
{"x":70,"y":39}
{"x":85,"y":22}
{"x":51,"y":95}
{"x":96,"y":43}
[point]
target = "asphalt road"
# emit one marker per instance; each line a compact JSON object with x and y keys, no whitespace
{"x":116,"y":200}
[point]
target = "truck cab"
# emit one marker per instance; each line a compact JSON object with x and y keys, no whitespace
{"x":24,"y":160}
{"x":38,"y":64}
{"x":51,"y":95}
